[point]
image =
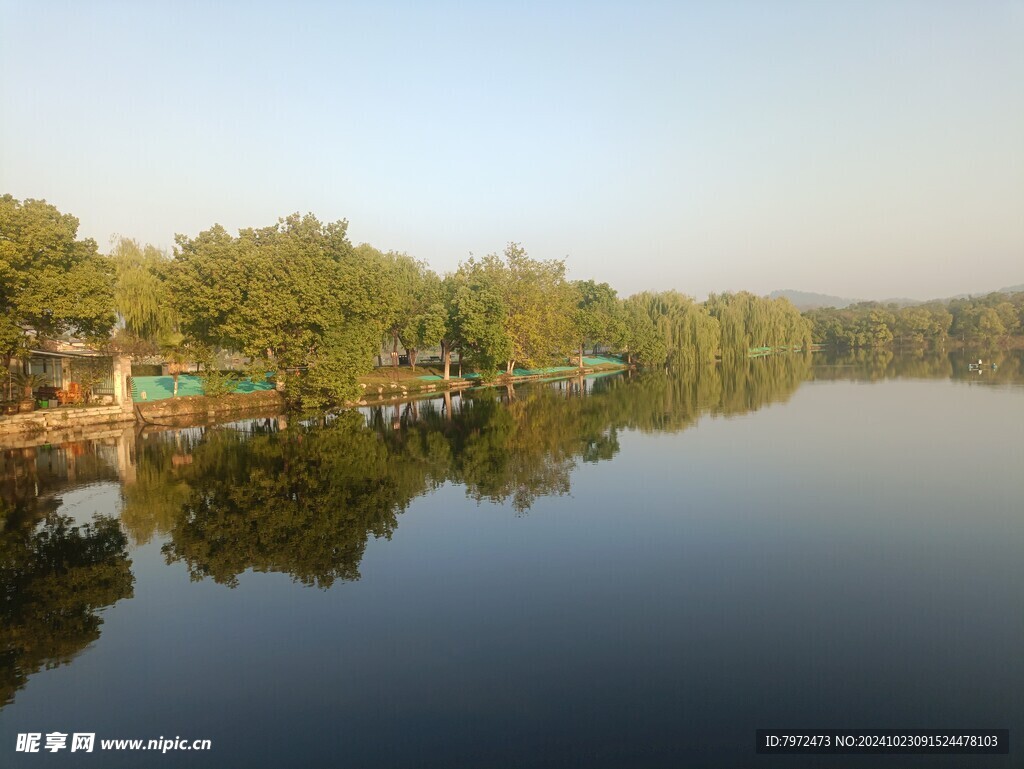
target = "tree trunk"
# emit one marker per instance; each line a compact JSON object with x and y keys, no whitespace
{"x":446,"y":358}
{"x":460,"y":364}
{"x":411,"y":354}
{"x":394,"y":351}
{"x":581,"y":354}
{"x":510,"y":367}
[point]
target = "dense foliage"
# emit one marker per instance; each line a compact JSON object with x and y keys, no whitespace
{"x":299,"y":298}
{"x":987,"y":319}
{"x":50,"y":282}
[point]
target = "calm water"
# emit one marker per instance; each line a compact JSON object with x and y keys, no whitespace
{"x":624,"y":572}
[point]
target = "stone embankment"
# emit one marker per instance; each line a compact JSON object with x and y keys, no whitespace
{"x":201,"y":408}
{"x":59,"y":424}
{"x":65,"y":424}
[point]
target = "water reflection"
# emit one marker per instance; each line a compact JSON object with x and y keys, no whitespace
{"x":999,"y":367}
{"x":54,"y":579}
{"x":33,"y":477}
{"x":304,"y":498}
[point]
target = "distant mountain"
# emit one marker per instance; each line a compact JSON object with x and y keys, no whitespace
{"x":807,"y":300}
{"x":901,"y":301}
{"x":1012,"y":289}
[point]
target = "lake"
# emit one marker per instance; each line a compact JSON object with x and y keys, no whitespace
{"x":630,"y":570}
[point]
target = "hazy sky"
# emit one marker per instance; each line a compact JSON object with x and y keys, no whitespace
{"x":867,"y":149}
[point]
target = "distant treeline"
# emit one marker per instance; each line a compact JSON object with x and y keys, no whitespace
{"x":988,"y":319}
{"x":299,"y":297}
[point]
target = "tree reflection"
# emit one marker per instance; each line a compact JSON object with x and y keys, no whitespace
{"x":301,"y":501}
{"x":305,"y":499}
{"x":880,"y":364}
{"x":54,"y":579}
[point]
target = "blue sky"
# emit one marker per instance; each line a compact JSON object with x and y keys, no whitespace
{"x":867,"y":149}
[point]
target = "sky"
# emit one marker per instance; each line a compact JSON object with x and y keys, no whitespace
{"x":863,"y":149}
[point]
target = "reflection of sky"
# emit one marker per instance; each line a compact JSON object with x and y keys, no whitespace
{"x":850,"y":558}
{"x":83,"y":502}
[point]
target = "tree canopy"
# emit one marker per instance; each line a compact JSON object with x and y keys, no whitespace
{"x":50,"y":281}
{"x":297,"y":297}
{"x":985,"y":319}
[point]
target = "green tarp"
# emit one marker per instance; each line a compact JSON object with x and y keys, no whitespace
{"x":158,"y":388}
{"x":597,"y":360}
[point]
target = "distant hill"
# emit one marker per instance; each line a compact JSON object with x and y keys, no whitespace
{"x":901,"y":301}
{"x":807,"y":300}
{"x":1012,"y":289}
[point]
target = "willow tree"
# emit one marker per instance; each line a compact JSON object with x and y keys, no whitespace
{"x":729,"y":311}
{"x":142,"y":294}
{"x":690,"y":335}
{"x":749,"y":322}
{"x":641,"y":339}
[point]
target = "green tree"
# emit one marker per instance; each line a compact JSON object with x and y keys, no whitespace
{"x":421,"y":325}
{"x":289,"y":297}
{"x":690,"y":335}
{"x":640,"y":337}
{"x":51,"y":283}
{"x":407,"y":278}
{"x":343,"y":355}
{"x":990,"y":324}
{"x":479,"y":312}
{"x":539,"y":309}
{"x":596,"y":317}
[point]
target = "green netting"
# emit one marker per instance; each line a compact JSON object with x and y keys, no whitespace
{"x":159,"y":388}
{"x":597,"y":360}
{"x":537,"y":371}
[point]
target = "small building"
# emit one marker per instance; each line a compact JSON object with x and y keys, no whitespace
{"x":62,"y":367}
{"x":59,"y":369}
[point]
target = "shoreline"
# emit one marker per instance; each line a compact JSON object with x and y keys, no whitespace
{"x":53,"y":426}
